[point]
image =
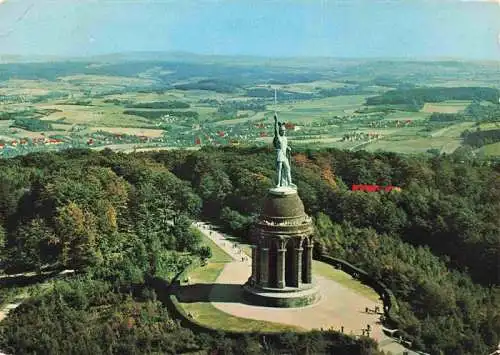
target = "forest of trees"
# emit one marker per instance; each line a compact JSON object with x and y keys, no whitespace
{"x":160,"y":105}
{"x":480,"y":112}
{"x":436,"y":243}
{"x":32,"y":124}
{"x":343,"y":91}
{"x":419,"y":96}
{"x":446,"y":117}
{"x":216,"y":85}
{"x":120,"y":221}
{"x":479,"y":138}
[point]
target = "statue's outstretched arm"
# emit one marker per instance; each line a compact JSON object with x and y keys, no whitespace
{"x":275,"y":124}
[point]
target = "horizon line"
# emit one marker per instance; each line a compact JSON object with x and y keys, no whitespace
{"x":59,"y":57}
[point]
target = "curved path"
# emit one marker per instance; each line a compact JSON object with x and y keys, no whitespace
{"x":339,"y":306}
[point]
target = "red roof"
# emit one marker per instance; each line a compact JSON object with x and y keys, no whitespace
{"x":374,"y":188}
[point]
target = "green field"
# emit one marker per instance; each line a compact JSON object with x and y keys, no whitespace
{"x":310,"y":110}
{"x":489,"y":125}
{"x":406,"y":115}
{"x":415,"y":145}
{"x":446,"y":106}
{"x":490,"y":150}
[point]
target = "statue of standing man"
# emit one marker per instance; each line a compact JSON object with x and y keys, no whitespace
{"x":280,"y":143}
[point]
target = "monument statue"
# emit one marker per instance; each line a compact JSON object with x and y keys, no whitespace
{"x":282,"y":242}
{"x":280,"y":143}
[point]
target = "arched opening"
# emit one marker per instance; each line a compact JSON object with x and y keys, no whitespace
{"x":272,"y":272}
{"x":305,"y":262}
{"x":289,"y":263}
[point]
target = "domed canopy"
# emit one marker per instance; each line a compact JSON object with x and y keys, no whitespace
{"x":288,"y":205}
{"x":283,"y":215}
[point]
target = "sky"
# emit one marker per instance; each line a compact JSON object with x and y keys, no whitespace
{"x":415,"y":29}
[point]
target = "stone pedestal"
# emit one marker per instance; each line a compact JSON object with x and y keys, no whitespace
{"x":282,"y":228}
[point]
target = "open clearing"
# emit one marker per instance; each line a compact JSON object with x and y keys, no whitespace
{"x":195,"y":301}
{"x":131,"y":131}
{"x":446,"y":106}
{"x":453,"y":130}
{"x":490,"y":149}
{"x":342,"y":304}
{"x":489,"y":125}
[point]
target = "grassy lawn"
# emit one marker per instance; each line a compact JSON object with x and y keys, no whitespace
{"x":328,"y":271}
{"x":207,"y":273}
{"x":218,"y":255}
{"x":206,"y":313}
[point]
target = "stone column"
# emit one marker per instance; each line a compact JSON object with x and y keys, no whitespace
{"x":309,"y":257}
{"x":255,"y":261}
{"x":280,"y":264}
{"x":297,"y":272}
{"x":264,"y":266}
